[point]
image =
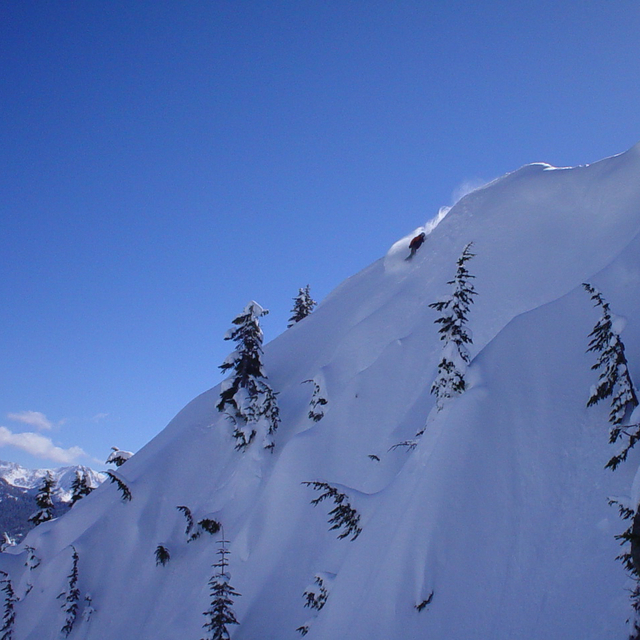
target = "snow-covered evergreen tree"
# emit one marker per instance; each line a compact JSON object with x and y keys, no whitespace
{"x":87,"y":610}
{"x":44,"y":501}
{"x":220,"y":613}
{"x":71,"y":597}
{"x":630,"y":558}
{"x":614,"y":381}
{"x":162,"y":555}
{"x":318,"y":401}
{"x":80,"y":487}
{"x":302,"y":307}
{"x":246,"y":397}
{"x":316,"y":596}
{"x":122,"y":486}
{"x":118,"y":456}
{"x":454,"y":311}
{"x":343,"y":515}
{"x":33,"y":562}
{"x":9,"y":614}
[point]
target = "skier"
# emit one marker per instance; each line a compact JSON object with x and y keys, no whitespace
{"x":415,"y":244}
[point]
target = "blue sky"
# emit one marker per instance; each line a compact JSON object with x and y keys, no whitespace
{"x":163,"y":163}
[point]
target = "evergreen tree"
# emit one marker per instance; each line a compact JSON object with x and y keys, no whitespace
{"x":220,"y":613}
{"x":162,"y":555}
{"x":630,"y":559}
{"x":316,"y":597}
{"x":71,"y":597}
{"x":303,"y":306}
{"x":343,"y":515}
{"x":9,"y":614}
{"x":316,"y":411}
{"x":123,"y":488}
{"x":614,"y":381}
{"x":80,"y":487}
{"x":246,"y":397}
{"x":118,"y":456}
{"x":453,"y":332}
{"x":44,"y":501}
{"x":33,"y":562}
{"x":87,"y":610}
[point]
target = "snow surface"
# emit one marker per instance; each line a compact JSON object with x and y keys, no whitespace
{"x":500,"y":510}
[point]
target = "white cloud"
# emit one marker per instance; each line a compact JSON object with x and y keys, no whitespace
{"x":99,"y":417}
{"x":39,"y":446}
{"x":33,"y":419}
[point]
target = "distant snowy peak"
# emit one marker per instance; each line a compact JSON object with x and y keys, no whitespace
{"x":29,"y":479}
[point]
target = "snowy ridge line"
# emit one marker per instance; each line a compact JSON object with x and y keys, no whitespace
{"x":496,"y":525}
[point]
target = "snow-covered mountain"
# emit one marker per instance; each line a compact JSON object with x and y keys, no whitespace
{"x":30,"y":479}
{"x":493,"y":524}
{"x":18,"y":488}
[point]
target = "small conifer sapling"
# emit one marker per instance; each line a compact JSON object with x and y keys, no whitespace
{"x":317,"y":403}
{"x":71,"y":597}
{"x":220,"y":613}
{"x":302,"y":307}
{"x":162,"y":555}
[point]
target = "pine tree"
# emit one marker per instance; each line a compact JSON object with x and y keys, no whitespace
{"x":246,"y":397}
{"x":316,"y":597}
{"x":87,"y":610}
{"x":123,"y":488}
{"x":454,"y":310}
{"x":220,"y":613}
{"x":71,"y":597}
{"x":44,"y":501}
{"x":303,"y":306}
{"x":80,"y":487}
{"x":614,"y":381}
{"x":33,"y":562}
{"x":9,"y":615}
{"x":343,"y":515}
{"x":316,"y":411}
{"x":118,"y":456}
{"x":162,"y":555}
{"x":630,"y":559}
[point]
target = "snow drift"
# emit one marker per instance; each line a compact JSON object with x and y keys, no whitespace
{"x":495,"y":525}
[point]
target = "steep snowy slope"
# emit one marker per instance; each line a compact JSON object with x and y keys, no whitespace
{"x":498,"y":516}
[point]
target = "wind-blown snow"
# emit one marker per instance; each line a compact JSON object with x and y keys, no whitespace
{"x":500,"y":511}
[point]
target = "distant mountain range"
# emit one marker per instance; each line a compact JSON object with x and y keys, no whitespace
{"x":18,"y":488}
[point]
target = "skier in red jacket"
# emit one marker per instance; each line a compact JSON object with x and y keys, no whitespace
{"x":415,"y":244}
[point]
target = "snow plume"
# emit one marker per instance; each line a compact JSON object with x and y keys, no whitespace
{"x":395,"y":258}
{"x":467,"y":187}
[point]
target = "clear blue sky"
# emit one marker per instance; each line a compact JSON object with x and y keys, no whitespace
{"x":163,"y":163}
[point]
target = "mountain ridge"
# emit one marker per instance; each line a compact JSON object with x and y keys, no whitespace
{"x":498,"y":517}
